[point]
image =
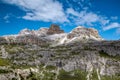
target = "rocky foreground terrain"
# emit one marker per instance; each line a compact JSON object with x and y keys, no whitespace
{"x":52,"y":54}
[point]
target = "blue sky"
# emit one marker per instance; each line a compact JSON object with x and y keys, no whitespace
{"x":103,"y":15}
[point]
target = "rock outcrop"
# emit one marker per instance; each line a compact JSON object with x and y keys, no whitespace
{"x":25,"y":32}
{"x":54,"y":29}
{"x":84,"y":33}
{"x":2,"y":40}
{"x":42,"y":32}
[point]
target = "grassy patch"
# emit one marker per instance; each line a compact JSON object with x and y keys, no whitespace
{"x":110,"y":77}
{"x":106,"y":55}
{"x":14,"y":49}
{"x":4,"y":62}
{"x":72,"y":75}
{"x":94,"y":75}
{"x":21,"y":66}
{"x":64,"y":75}
{"x":50,"y":67}
{"x":11,"y":51}
{"x":49,"y":76}
{"x":74,"y":53}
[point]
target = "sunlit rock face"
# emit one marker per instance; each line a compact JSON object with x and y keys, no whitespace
{"x":82,"y":32}
{"x":25,"y":31}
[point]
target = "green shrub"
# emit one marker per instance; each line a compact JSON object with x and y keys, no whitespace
{"x":64,"y":75}
{"x":14,"y":78}
{"x":49,"y":76}
{"x":3,"y":71}
{"x":103,"y":54}
{"x":50,"y":67}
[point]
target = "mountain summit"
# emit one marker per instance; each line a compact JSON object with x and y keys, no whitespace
{"x":84,"y":33}
{"x":54,"y":29}
{"x":55,"y":35}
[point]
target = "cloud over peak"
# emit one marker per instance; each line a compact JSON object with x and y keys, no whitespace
{"x":86,"y":17}
{"x":71,"y":11}
{"x":41,"y":10}
{"x":111,"y":26}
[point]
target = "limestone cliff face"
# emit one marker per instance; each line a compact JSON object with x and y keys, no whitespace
{"x":88,"y":33}
{"x":25,"y":31}
{"x":40,"y":32}
{"x":92,"y":61}
{"x":3,"y":40}
{"x":54,"y":29}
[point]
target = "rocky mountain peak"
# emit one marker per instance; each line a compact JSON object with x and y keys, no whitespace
{"x":94,"y":32}
{"x":54,"y":29}
{"x":41,"y":31}
{"x":84,"y":33}
{"x":80,"y":27}
{"x":25,"y":31}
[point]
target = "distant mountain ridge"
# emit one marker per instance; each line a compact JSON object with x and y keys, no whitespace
{"x":55,"y":35}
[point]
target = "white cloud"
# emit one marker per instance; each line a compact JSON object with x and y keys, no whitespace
{"x":114,"y":17}
{"x":111,"y":26}
{"x":6,"y":18}
{"x":90,"y":19}
{"x":52,"y":11}
{"x":72,"y":11}
{"x":82,"y":4}
{"x":42,"y":10}
{"x":84,"y":17}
